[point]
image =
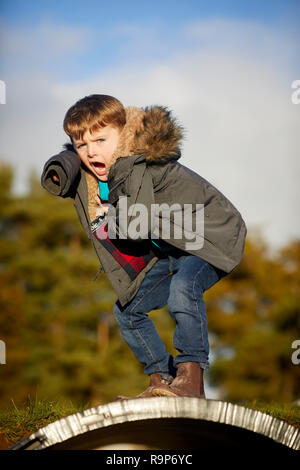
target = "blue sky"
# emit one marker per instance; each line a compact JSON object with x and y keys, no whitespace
{"x":225,"y":68}
{"x":95,"y":12}
{"x":105,"y":27}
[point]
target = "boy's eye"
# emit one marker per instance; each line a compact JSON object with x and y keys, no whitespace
{"x":100,"y":140}
{"x":79,"y":146}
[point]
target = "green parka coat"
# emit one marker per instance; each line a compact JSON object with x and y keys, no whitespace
{"x":145,"y":170}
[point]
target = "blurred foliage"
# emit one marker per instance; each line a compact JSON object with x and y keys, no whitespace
{"x":254,"y":315}
{"x":61,"y":338}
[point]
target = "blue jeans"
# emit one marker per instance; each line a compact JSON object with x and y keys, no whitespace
{"x":176,"y":280}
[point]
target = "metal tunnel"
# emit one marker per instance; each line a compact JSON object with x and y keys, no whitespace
{"x":166,"y":423}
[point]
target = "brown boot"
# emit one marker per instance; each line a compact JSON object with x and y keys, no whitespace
{"x":188,"y":383}
{"x":155,"y":380}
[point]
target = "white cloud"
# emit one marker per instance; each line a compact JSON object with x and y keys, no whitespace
{"x":45,"y":40}
{"x":242,"y":129}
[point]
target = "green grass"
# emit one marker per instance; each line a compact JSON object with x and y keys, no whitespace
{"x":17,"y":423}
{"x":285,"y":411}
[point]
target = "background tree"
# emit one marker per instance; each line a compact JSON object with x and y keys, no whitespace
{"x":255,"y":317}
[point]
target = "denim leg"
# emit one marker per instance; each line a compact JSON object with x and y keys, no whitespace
{"x":137,"y":328}
{"x":192,"y":276}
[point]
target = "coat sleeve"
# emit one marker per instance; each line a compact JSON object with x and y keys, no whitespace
{"x":66,"y":164}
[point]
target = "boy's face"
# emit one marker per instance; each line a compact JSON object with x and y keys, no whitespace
{"x":96,"y":150}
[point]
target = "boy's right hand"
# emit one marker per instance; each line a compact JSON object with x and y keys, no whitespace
{"x":54,"y":176}
{"x":103,"y":206}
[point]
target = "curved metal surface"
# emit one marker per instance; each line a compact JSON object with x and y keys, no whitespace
{"x":165,"y":423}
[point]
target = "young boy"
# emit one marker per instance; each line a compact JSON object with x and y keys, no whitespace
{"x":125,"y":160}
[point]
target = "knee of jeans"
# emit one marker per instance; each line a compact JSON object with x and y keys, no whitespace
{"x":178,"y":286}
{"x":185,"y":287}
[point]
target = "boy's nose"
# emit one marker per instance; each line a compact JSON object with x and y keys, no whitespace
{"x":91,"y":149}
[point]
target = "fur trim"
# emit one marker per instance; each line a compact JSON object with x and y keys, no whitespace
{"x":151,"y":131}
{"x":134,"y":125}
{"x":161,"y":137}
{"x":93,"y":189}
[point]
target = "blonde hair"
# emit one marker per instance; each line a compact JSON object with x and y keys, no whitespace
{"x":93,"y":112}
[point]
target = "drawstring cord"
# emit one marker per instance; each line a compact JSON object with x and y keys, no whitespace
{"x":98,"y":272}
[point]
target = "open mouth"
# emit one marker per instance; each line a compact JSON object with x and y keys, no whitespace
{"x":99,"y":168}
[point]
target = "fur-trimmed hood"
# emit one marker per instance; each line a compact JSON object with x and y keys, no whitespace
{"x":151,"y":131}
